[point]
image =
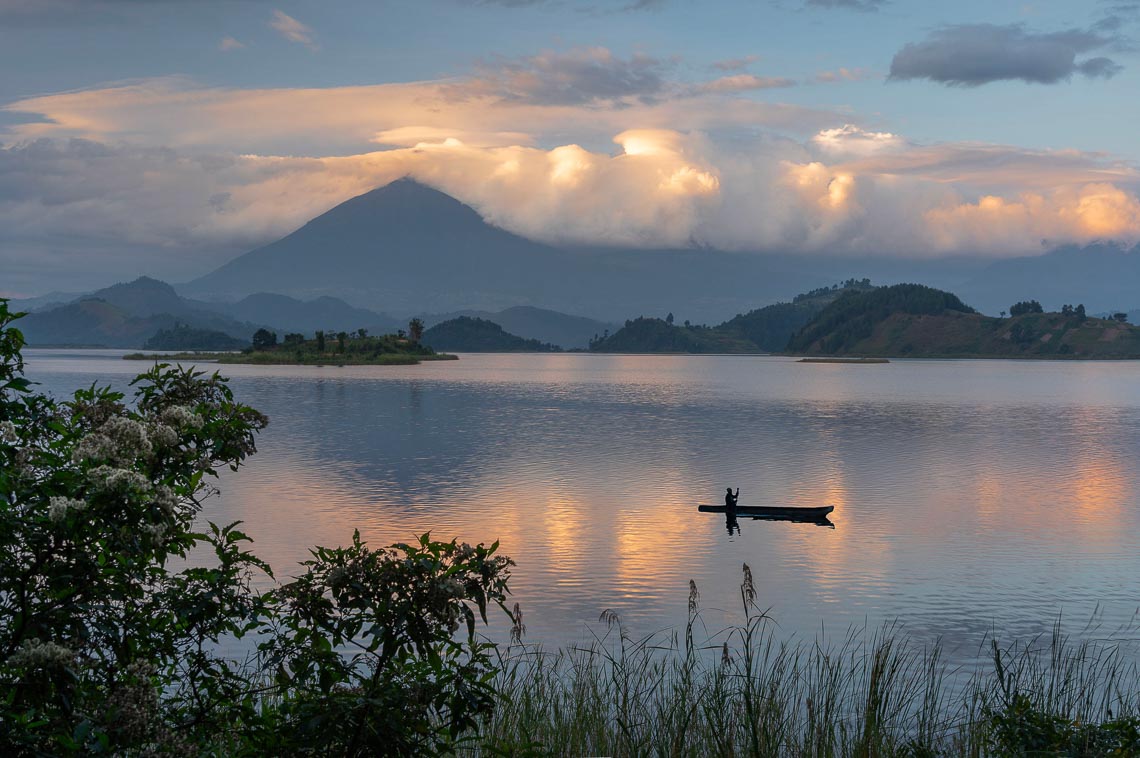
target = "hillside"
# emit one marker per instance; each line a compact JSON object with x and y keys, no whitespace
{"x":541,"y":324}
{"x":654,"y":335}
{"x":762,"y":330}
{"x":911,"y":320}
{"x":475,"y":335}
{"x":126,"y":315}
{"x":183,"y":337}
{"x":288,"y":314}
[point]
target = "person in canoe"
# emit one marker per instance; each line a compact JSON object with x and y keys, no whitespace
{"x":730,"y":499}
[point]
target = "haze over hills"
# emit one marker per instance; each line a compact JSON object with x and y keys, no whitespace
{"x":1105,"y":277}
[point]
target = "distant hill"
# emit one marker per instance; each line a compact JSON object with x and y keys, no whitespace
{"x":917,"y":321}
{"x":654,"y":335}
{"x":184,"y":337}
{"x":762,"y":330}
{"x":475,"y":335}
{"x":1103,"y":276}
{"x":288,"y":314}
{"x":540,"y":324}
{"x":125,"y":315}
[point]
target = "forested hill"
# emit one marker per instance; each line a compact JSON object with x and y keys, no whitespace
{"x":918,"y":321}
{"x":763,"y":330}
{"x":477,"y":335}
{"x":852,"y":317}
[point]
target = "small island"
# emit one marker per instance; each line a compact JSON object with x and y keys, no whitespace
{"x":356,"y":348}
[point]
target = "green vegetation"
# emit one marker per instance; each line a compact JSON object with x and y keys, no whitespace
{"x":763,"y":330}
{"x":347,"y":349}
{"x":109,"y":637}
{"x":185,"y":337}
{"x":476,"y":335}
{"x":917,"y":321}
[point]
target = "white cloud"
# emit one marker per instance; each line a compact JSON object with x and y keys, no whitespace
{"x":292,"y":29}
{"x":229,"y":43}
{"x":744,"y":83}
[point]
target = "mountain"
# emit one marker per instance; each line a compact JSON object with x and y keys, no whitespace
{"x":537,"y":323}
{"x":289,"y":314}
{"x":762,"y":330}
{"x":912,"y":320}
{"x":1105,"y":277}
{"x":125,"y":315}
{"x":476,"y":335}
{"x":408,"y":248}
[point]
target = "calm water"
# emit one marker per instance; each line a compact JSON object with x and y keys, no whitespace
{"x":970,"y":495}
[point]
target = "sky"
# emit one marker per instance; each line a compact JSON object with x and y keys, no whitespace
{"x":165,"y":137}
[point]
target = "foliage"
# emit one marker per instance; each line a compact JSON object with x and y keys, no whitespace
{"x":416,"y":329}
{"x":185,"y":337}
{"x":852,"y":317}
{"x":114,"y":599}
{"x":263,"y":339}
{"x":765,"y":329}
{"x":1025,"y":306}
{"x":477,"y":335}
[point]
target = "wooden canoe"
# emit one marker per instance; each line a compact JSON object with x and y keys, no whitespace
{"x":774,"y":511}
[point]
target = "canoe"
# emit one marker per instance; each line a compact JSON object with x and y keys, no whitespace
{"x":774,"y":511}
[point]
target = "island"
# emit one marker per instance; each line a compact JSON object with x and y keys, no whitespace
{"x":916,"y":321}
{"x":356,"y":348}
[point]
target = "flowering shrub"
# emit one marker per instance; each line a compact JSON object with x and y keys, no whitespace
{"x":104,"y":647}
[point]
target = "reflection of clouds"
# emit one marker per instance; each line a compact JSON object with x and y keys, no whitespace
{"x":969,"y":495}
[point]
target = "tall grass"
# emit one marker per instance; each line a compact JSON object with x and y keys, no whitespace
{"x":742,"y":691}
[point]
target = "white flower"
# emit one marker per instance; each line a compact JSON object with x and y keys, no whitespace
{"x":181,"y":417}
{"x":157,"y":531}
{"x":109,"y":478}
{"x":59,"y":506}
{"x":8,"y":433}
{"x":163,"y":436}
{"x":165,"y":499}
{"x":34,"y":654}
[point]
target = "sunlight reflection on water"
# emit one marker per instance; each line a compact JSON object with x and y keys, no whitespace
{"x":970,"y":495}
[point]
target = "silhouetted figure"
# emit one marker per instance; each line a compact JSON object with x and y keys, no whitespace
{"x":730,"y":500}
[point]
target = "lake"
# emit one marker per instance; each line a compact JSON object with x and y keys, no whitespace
{"x":970,"y":496}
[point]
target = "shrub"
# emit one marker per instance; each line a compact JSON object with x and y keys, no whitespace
{"x":105,"y":646}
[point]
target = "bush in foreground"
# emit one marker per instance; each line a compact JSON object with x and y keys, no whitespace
{"x":106,"y":647}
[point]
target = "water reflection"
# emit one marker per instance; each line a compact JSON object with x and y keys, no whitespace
{"x":969,"y":495}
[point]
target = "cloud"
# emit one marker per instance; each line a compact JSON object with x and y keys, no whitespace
{"x":735,"y":64}
{"x":856,"y":5}
{"x":229,"y":43}
{"x":292,"y":29}
{"x":586,"y":76}
{"x":846,"y":190}
{"x":744,"y":83}
{"x":842,"y":75}
{"x":851,"y":141}
{"x":183,"y":177}
{"x":176,"y":112}
{"x":975,"y":54}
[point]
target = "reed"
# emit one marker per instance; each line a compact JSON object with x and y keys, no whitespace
{"x":742,"y":691}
